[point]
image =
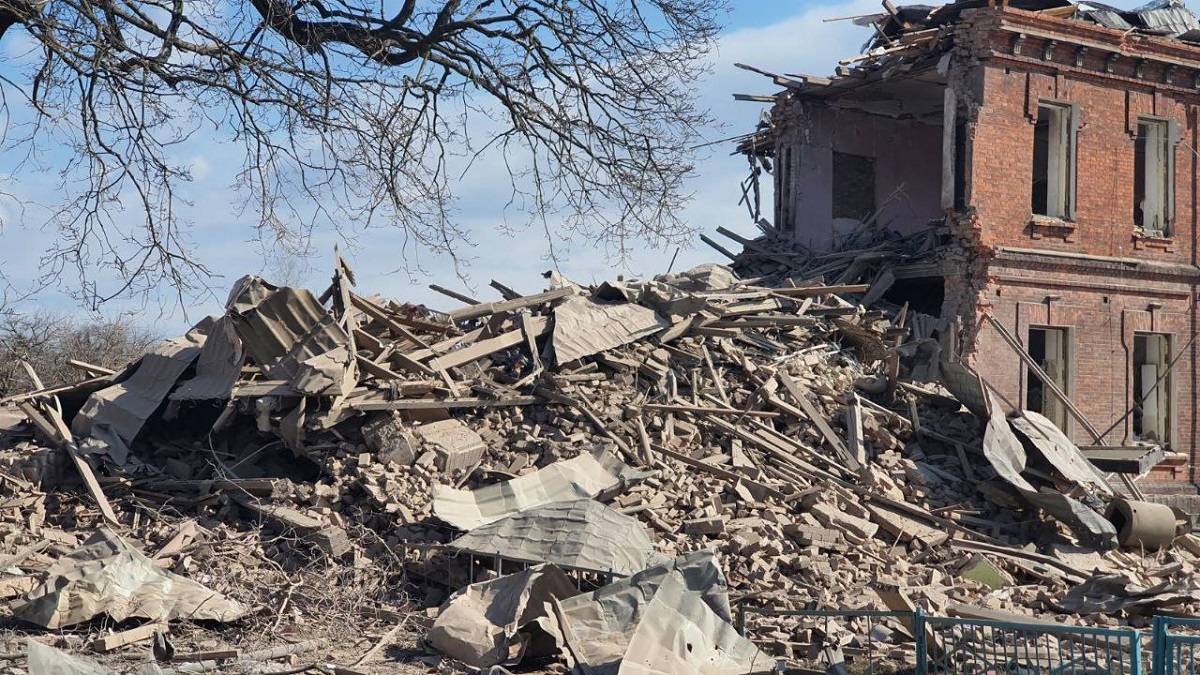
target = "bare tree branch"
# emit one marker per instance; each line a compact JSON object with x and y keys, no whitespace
{"x":359,"y":118}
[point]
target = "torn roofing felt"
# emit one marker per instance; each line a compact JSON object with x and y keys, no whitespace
{"x":108,"y":576}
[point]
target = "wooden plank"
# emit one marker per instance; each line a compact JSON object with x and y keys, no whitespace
{"x":375,"y":370}
{"x":476,"y":311}
{"x":854,"y":430}
{"x":265,"y":388}
{"x":538,"y":325}
{"x":90,"y":368}
{"x":381,"y":315}
{"x":807,"y":291}
{"x":676,"y":407}
{"x":117,"y":640}
{"x":51,"y":424}
{"x":51,"y":391}
{"x":466,"y":299}
{"x":717,"y":471}
{"x":435,"y":403}
{"x":505,"y":292}
{"x":717,"y":247}
{"x":831,"y":438}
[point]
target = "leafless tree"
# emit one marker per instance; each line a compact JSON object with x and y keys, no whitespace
{"x":47,"y":341}
{"x":351,"y":113}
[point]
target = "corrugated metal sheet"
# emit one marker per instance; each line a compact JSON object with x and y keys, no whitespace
{"x":218,"y":367}
{"x":1168,"y":17}
{"x":126,"y":406}
{"x":285,"y":322}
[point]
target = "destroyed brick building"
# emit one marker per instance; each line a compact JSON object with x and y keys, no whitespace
{"x":1033,"y":163}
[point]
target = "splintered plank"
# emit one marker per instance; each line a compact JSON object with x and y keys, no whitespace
{"x":808,"y":291}
{"x":818,"y":420}
{"x":476,"y":311}
{"x":435,"y":403}
{"x":537,"y":325}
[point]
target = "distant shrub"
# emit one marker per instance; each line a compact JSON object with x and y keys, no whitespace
{"x":47,"y":341}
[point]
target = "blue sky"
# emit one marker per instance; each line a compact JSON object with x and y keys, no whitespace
{"x":773,"y":34}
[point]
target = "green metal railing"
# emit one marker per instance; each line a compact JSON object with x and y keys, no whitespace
{"x":981,"y":647}
{"x":1176,"y":653}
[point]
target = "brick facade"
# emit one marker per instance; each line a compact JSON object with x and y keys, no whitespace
{"x":1092,"y":273}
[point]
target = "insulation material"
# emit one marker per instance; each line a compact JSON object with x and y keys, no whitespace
{"x":587,"y":476}
{"x":583,"y":327}
{"x":580,"y":534}
{"x":126,"y":406}
{"x":108,"y":576}
{"x":218,"y":367}
{"x":479,"y":624}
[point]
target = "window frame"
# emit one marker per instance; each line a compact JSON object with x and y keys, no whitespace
{"x":1061,"y":175}
{"x":1165,"y":193}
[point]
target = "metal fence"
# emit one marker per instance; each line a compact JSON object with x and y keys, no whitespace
{"x":1176,"y":653}
{"x":827,"y":626}
{"x":980,"y":647}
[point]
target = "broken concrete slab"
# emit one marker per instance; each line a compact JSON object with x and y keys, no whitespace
{"x":390,"y":438}
{"x":457,"y":446}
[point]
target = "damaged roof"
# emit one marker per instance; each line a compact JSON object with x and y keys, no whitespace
{"x":1171,"y":18}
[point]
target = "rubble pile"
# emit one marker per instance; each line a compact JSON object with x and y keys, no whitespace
{"x":578,"y":475}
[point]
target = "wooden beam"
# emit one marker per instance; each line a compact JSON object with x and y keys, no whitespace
{"x":436,"y":403}
{"x":538,"y":325}
{"x":808,"y":291}
{"x":818,"y":419}
{"x":476,"y":311}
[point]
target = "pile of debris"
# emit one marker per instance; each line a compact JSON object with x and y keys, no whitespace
{"x":583,"y":475}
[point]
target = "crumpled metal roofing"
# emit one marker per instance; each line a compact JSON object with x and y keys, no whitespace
{"x":582,"y":534}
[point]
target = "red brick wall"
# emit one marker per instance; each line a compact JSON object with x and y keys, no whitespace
{"x":1002,"y":148}
{"x":1102,"y":310}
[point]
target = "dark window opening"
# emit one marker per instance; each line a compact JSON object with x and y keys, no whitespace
{"x":1053,"y":161}
{"x":924,"y":294}
{"x":1048,"y":348}
{"x":853,"y":186}
{"x":960,"y":163}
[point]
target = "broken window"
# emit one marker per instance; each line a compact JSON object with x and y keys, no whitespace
{"x":1153,"y":169}
{"x":1053,"y":192}
{"x":1152,"y":387}
{"x":1048,"y":347}
{"x":853,"y":186}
